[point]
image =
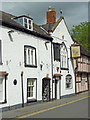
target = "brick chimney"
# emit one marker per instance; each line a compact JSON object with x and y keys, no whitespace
{"x":51,"y":15}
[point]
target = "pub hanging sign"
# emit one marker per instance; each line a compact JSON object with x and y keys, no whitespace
{"x":75,"y":50}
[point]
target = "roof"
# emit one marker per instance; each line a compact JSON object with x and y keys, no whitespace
{"x":83,"y":51}
{"x":52,"y":26}
{"x":6,"y":19}
{"x":23,"y":16}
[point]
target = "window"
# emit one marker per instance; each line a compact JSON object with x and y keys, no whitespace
{"x":69,"y":81}
{"x":0,"y":52}
{"x":64,"y":57}
{"x":3,"y":87}
{"x":27,"y":23}
{"x":63,"y":61}
{"x":56,"y":52}
{"x":84,"y":59}
{"x":31,"y":88}
{"x":83,"y":79}
{"x":30,"y":56}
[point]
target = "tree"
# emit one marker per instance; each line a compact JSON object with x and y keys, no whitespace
{"x":81,"y":34}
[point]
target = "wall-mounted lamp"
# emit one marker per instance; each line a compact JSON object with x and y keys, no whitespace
{"x":9,"y":33}
{"x":46,"y":44}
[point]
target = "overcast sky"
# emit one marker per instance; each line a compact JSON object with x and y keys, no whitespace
{"x":73,"y":12}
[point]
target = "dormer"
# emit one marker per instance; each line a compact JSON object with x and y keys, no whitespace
{"x":25,"y":21}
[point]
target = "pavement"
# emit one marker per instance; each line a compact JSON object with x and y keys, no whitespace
{"x":34,"y":109}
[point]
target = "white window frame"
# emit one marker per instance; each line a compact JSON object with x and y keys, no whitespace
{"x":84,"y":59}
{"x":2,"y":78}
{"x":64,"y":57}
{"x":29,"y":24}
{"x":32,"y":94}
{"x":83,"y":80}
{"x":30,"y":56}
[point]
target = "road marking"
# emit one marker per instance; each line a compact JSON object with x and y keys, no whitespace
{"x":31,"y":114}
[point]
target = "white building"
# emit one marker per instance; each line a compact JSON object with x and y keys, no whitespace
{"x":63,"y":70}
{"x":25,"y":61}
{"x":35,"y":62}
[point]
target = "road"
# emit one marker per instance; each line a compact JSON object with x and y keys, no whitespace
{"x":76,"y":109}
{"x":70,"y":107}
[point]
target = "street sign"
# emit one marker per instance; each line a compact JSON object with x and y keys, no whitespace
{"x":75,"y":50}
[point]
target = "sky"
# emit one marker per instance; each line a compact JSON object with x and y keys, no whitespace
{"x":73,"y":12}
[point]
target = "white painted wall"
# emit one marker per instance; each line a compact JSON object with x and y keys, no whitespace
{"x":60,"y":30}
{"x":13,"y":52}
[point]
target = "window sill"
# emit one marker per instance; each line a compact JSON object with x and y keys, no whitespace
{"x":57,"y":60}
{"x":69,"y":88}
{"x":31,"y":100}
{"x":3,"y":102}
{"x":64,"y":69}
{"x":31,"y":66}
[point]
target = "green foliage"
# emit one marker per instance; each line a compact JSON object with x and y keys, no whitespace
{"x":81,"y":33}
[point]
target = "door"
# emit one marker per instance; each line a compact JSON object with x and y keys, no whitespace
{"x":55,"y":89}
{"x":46,"y":89}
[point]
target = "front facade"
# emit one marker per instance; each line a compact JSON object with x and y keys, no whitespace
{"x":82,"y":71}
{"x":63,"y":67}
{"x":35,"y":61}
{"x":25,"y":62}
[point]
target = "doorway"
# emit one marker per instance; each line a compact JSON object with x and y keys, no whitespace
{"x":56,"y":89}
{"x":46,"y":89}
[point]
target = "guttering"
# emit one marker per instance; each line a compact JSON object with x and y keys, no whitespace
{"x":20,"y":28}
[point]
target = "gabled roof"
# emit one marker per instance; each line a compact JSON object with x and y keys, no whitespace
{"x":6,"y":19}
{"x":83,"y":51}
{"x":52,"y":26}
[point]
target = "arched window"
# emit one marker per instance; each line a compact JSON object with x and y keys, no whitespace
{"x":68,"y":81}
{"x":64,"y":57}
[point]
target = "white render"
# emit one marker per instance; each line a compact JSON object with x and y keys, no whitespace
{"x":13,"y":63}
{"x":60,"y":30}
{"x":13,"y":54}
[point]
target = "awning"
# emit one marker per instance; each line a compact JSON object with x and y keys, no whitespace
{"x":3,"y":73}
{"x":58,"y":75}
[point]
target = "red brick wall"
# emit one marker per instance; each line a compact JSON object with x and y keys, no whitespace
{"x":51,"y":16}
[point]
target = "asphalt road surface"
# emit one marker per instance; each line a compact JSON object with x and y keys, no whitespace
{"x":76,"y":109}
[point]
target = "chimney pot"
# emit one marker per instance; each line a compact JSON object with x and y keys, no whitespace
{"x":53,"y":9}
{"x":49,"y":8}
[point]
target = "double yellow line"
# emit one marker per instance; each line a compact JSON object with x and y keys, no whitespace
{"x":31,"y":114}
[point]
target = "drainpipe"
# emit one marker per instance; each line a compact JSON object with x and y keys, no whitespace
{"x":52,"y":68}
{"x":22,"y":89}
